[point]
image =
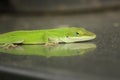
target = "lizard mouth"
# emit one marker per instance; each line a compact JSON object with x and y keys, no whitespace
{"x":73,"y":39}
{"x":82,"y":38}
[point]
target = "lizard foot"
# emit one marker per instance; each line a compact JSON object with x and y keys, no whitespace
{"x":9,"y":46}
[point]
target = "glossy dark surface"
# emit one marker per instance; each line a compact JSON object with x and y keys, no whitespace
{"x":103,"y":63}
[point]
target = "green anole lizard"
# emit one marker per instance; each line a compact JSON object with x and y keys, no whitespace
{"x":47,"y":36}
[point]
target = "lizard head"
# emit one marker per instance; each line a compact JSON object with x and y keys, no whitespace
{"x":80,"y":34}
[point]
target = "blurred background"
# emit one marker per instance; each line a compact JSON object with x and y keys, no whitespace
{"x":99,"y":16}
{"x":56,"y":6}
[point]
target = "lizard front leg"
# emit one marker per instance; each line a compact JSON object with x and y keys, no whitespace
{"x":47,"y":40}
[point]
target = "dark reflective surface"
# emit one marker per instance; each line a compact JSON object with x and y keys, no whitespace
{"x":101,"y":63}
{"x":61,"y":50}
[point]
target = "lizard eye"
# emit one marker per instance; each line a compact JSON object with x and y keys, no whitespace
{"x":67,"y":36}
{"x":77,"y":34}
